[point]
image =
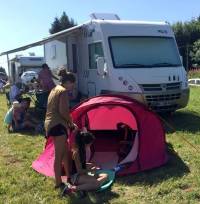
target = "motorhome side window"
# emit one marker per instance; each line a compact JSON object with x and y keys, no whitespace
{"x":53,"y":51}
{"x":95,"y":51}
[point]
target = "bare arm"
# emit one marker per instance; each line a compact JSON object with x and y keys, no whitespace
{"x":64,"y":109}
{"x":76,"y":159}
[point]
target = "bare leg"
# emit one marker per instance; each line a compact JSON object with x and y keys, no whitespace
{"x":59,"y":143}
{"x":66,"y":161}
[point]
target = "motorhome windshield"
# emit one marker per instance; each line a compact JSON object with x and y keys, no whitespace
{"x":137,"y":52}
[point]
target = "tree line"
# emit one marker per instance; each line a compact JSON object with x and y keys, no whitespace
{"x":62,"y":23}
{"x":188,"y":39}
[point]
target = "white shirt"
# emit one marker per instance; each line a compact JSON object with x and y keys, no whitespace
{"x":14,"y":91}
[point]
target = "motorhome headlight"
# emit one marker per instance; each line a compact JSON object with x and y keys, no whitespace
{"x":130,"y":87}
{"x":125,"y":82}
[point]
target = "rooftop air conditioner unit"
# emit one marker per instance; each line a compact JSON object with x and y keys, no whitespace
{"x":104,"y":16}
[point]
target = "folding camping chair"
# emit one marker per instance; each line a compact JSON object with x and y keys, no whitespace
{"x":41,"y":101}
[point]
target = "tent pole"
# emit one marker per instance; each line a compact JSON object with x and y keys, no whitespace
{"x":8,"y":64}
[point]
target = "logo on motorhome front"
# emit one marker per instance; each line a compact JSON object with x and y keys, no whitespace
{"x":164,"y":87}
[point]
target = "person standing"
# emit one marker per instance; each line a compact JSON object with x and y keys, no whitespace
{"x":45,"y":78}
{"x":57,"y":122}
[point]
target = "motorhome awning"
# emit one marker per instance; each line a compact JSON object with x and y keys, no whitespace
{"x":55,"y":36}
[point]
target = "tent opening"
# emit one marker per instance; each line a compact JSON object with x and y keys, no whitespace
{"x":116,"y":132}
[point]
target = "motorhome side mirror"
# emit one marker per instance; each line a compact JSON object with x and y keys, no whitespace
{"x":100,"y":66}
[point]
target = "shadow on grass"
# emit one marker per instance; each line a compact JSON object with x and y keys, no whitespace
{"x":182,"y":121}
{"x":175,"y":168}
{"x":95,"y":198}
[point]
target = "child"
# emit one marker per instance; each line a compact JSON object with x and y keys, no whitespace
{"x":21,"y":121}
{"x":80,"y":179}
{"x":16,"y":119}
{"x":9,"y":115}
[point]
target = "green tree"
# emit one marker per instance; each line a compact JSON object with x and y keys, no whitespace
{"x":61,"y":23}
{"x":186,"y":34}
{"x":195,"y":53}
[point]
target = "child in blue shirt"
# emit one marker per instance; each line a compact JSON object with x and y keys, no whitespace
{"x":9,"y":115}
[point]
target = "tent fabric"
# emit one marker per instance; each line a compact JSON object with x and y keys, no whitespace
{"x":105,"y":160}
{"x":104,"y":117}
{"x":103,"y":113}
{"x":45,"y":162}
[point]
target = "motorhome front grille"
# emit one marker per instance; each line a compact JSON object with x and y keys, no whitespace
{"x":163,"y":97}
{"x":174,"y":86}
{"x":161,"y":87}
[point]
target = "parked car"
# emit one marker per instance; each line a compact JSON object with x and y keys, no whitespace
{"x":27,"y":76}
{"x":194,"y":82}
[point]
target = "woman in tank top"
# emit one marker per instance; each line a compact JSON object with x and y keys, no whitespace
{"x":57,"y":121}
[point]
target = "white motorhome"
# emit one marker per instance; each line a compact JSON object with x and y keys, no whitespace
{"x":138,"y":59}
{"x":21,"y":64}
{"x":135,"y":58}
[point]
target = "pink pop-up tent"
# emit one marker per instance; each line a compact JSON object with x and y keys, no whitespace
{"x":100,"y":115}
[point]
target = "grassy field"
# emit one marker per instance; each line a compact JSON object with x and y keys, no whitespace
{"x":176,"y":182}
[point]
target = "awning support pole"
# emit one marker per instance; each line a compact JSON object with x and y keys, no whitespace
{"x":8,"y":63}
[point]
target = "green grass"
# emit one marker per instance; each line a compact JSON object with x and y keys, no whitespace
{"x":176,"y":182}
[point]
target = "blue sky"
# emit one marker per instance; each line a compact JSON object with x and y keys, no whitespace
{"x":23,"y":22}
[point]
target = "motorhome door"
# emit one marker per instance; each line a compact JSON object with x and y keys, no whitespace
{"x":95,"y":50}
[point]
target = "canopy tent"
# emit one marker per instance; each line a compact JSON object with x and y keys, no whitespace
{"x":101,"y":115}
